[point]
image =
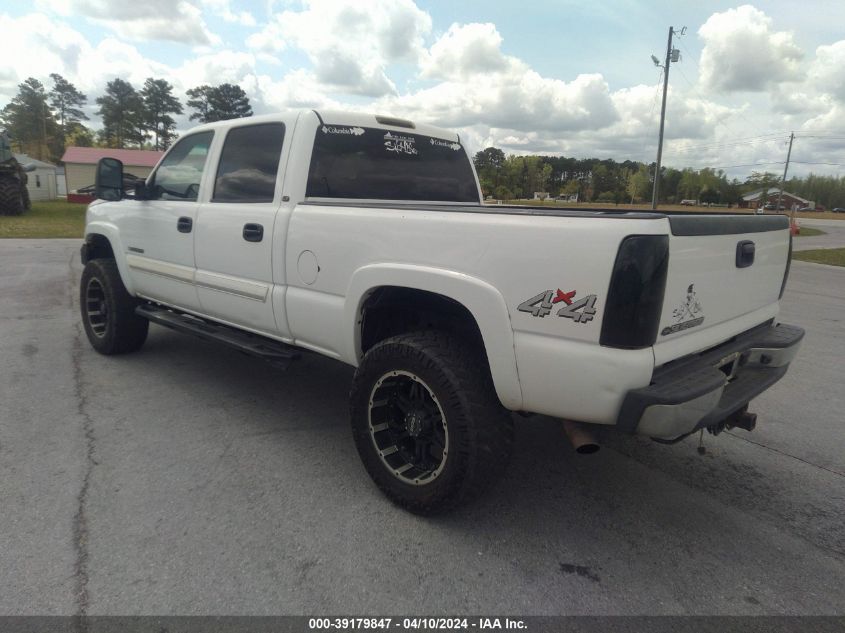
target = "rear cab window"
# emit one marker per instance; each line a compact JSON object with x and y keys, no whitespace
{"x":353,"y":162}
{"x":249,"y":163}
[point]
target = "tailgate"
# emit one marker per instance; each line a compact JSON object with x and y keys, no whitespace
{"x":725,"y":276}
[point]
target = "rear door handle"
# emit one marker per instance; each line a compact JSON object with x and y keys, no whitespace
{"x":184,"y":225}
{"x":253,"y":232}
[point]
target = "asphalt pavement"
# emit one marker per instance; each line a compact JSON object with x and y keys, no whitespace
{"x":834,"y":235}
{"x":190,"y":479}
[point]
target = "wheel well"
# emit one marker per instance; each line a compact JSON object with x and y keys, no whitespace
{"x":392,"y":310}
{"x":97,"y":247}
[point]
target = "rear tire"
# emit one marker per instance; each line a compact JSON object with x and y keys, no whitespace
{"x":427,"y":423}
{"x":108,"y":310}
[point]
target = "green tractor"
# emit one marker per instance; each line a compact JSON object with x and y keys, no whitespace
{"x":14,"y":197}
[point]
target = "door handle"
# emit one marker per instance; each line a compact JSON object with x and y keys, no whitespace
{"x":744,"y":253}
{"x":253,"y":232}
{"x":184,"y":225}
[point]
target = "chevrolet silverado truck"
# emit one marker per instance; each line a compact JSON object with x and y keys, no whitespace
{"x":364,"y":238}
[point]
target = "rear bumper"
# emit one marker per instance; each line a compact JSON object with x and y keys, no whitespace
{"x":703,"y":389}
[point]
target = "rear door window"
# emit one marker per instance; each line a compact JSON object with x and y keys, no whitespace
{"x":249,"y":163}
{"x":378,"y":164}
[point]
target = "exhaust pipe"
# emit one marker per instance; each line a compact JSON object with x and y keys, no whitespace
{"x":581,"y":439}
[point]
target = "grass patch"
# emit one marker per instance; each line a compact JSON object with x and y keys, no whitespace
{"x":806,"y":231}
{"x":55,"y":218}
{"x":829,"y":256}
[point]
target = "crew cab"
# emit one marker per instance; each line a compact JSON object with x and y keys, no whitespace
{"x":364,"y":238}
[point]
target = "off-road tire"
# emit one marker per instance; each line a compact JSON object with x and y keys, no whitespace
{"x":480,"y":429}
{"x":27,"y":203}
{"x":11,"y":198}
{"x":108,"y":310}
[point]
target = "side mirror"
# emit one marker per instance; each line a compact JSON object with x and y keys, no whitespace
{"x":108,"y":184}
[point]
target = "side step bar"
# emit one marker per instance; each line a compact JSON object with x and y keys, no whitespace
{"x":274,"y":352}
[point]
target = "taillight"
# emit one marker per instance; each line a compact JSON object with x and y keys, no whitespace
{"x":786,"y":270}
{"x":635,"y":299}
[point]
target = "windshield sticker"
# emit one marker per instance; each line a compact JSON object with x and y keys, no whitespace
{"x":579,"y":310}
{"x":331,"y":129}
{"x":688,"y":314}
{"x":440,"y":143}
{"x":400,"y":144}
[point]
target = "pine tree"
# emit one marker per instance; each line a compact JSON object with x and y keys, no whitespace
{"x":123,"y":113}
{"x":159,"y":104}
{"x":198,"y":100}
{"x":228,"y":101}
{"x":66,"y":100}
{"x":30,"y":122}
{"x":218,"y":103}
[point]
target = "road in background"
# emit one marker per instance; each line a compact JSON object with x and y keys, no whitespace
{"x":190,"y":479}
{"x":834,"y":236}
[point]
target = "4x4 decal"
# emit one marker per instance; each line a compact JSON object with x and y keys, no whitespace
{"x":580,"y":311}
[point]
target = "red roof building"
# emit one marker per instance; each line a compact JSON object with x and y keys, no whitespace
{"x":81,"y":163}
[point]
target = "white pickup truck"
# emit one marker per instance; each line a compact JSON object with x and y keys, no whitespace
{"x":363,"y":238}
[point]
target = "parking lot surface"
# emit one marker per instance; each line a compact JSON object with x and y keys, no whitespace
{"x":190,"y":479}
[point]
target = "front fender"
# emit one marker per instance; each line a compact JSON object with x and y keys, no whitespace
{"x":484,"y":302}
{"x":110,"y":232}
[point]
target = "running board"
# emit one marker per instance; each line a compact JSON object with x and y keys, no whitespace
{"x":276,"y":353}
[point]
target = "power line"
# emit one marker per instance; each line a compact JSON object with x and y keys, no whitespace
{"x":778,"y":162}
{"x":727,"y":145}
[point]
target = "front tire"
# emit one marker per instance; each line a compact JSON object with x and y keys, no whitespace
{"x":11,"y":198}
{"x":427,"y":423}
{"x":108,"y":310}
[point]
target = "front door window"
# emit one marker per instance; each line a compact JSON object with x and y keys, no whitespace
{"x":179,"y":175}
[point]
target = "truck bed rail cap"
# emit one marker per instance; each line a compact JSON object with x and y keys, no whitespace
{"x":698,"y":224}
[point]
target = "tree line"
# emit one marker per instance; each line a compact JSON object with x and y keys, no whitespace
{"x":42,"y":123}
{"x":608,"y":181}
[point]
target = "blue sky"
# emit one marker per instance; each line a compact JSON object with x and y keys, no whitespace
{"x":554,"y":77}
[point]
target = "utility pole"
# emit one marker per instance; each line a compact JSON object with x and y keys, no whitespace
{"x":785,"y":168}
{"x":671,"y":55}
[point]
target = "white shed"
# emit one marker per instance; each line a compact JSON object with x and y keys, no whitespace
{"x":41,"y":182}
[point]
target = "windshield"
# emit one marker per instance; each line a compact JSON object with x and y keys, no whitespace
{"x":378,"y":164}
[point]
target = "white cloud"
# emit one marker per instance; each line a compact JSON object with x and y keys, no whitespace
{"x":297,"y":89}
{"x":463,"y":51}
{"x":215,"y":68}
{"x":223,"y":9}
{"x":482,"y":85}
{"x":827,"y":72}
{"x":171,"y":20}
{"x":59,"y":46}
{"x":65,"y":51}
{"x":743,"y":53}
{"x":384,"y":54}
{"x":350,"y":44}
